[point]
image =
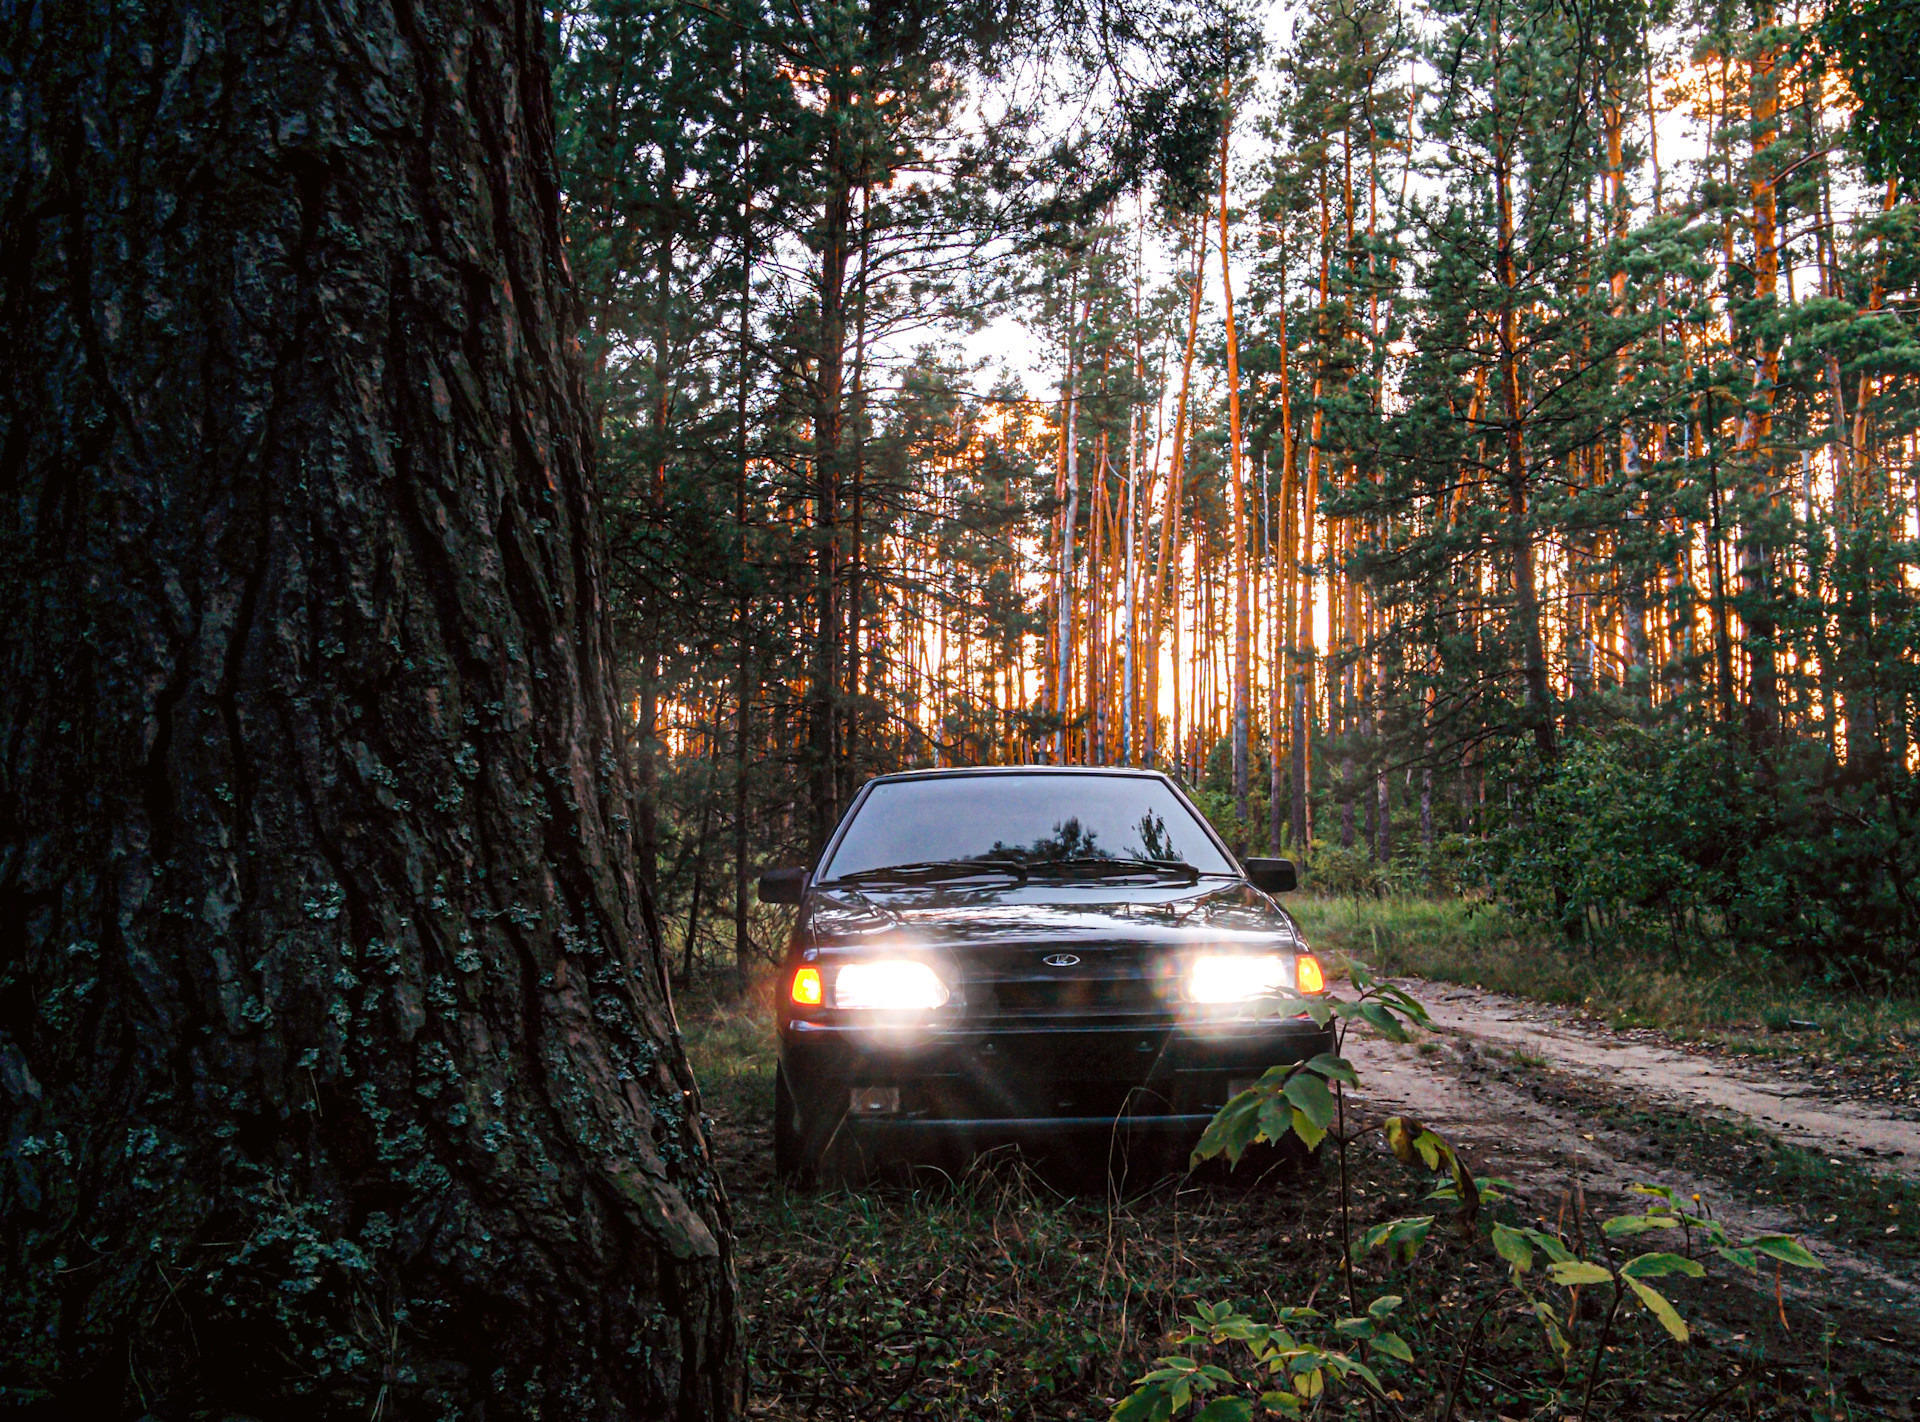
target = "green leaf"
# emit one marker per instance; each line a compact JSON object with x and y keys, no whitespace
{"x":1225,"y":1409}
{"x":1394,"y":1346}
{"x":1786,"y":1249}
{"x":1149,"y":1404}
{"x":1353,"y":1367}
{"x":1403,"y":1237}
{"x":1384,"y":1305}
{"x":1745,"y":1258}
{"x":1513,"y":1246}
{"x":1578,"y":1271}
{"x":1432,"y":1149}
{"x":1408,"y":1004}
{"x":1550,"y":1322}
{"x":1231,"y":1130}
{"x":1334,"y":1068}
{"x":1658,"y":1306}
{"x":1310,"y":1096}
{"x":1653,"y":1266}
{"x":1310,"y":1134}
{"x":1383,"y":1021}
{"x":1548,"y":1245}
{"x":1281,"y":1402}
{"x":1275,"y":1118}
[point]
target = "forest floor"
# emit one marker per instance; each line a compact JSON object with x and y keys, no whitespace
{"x":1014,"y":1292}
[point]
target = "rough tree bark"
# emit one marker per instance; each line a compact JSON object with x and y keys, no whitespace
{"x":338,"y":1073}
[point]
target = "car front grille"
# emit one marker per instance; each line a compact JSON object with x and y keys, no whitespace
{"x":1105,"y":984}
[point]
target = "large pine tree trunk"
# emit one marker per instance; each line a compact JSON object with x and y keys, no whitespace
{"x":337,"y":1068}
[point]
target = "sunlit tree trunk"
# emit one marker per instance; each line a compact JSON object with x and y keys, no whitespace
{"x":1539,"y":705}
{"x":1756,"y":556}
{"x":831,"y":241}
{"x":1166,"y":579}
{"x":1242,"y":630}
{"x":1069,"y":518}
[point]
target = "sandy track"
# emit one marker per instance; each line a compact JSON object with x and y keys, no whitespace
{"x":1645,"y":1065}
{"x":1556,"y":1152}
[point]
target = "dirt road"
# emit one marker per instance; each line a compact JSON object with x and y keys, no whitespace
{"x":1554,"y":1104}
{"x":1816,"y":1114}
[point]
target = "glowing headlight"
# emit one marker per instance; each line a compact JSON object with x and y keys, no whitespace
{"x":892,"y":985}
{"x":1237,"y":978}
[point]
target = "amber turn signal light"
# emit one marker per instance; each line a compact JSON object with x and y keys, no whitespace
{"x":1307,"y":974}
{"x":806,"y":987}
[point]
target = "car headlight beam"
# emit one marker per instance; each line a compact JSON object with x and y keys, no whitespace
{"x":1238,"y":977}
{"x":889,"y":985}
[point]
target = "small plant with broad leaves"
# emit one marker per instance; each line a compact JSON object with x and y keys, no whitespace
{"x":1305,"y":1098}
{"x":1227,"y":1363}
{"x":1292,"y":1371}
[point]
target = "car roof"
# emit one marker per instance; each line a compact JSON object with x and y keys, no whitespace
{"x":940,"y":772}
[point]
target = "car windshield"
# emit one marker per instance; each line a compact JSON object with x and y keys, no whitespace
{"x":1031,"y":819}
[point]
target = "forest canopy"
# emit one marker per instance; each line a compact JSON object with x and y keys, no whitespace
{"x":1471,"y":444}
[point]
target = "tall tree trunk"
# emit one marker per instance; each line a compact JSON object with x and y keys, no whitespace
{"x":1533,"y":655}
{"x":1303,"y":679}
{"x":1242,"y":629}
{"x":1166,"y":578}
{"x":851,"y":733}
{"x":1286,"y":581}
{"x":336,"y":996}
{"x":1069,"y":517}
{"x":829,"y":429}
{"x":743,"y":650}
{"x":1756,"y":555}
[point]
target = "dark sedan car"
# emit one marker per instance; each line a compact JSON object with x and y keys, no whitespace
{"x":1028,"y":953}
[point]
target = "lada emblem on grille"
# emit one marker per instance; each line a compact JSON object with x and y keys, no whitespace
{"x":1060,"y":960}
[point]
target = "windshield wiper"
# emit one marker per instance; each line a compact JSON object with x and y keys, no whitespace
{"x":1096,"y":868}
{"x":930,"y":871}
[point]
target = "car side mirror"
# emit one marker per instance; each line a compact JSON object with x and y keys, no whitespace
{"x":784,"y":886}
{"x":1272,"y":876}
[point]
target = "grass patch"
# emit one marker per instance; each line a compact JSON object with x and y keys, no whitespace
{"x":1716,"y":1000}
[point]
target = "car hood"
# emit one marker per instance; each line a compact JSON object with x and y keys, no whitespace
{"x":956,"y":919}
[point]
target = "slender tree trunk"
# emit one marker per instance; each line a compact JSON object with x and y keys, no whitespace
{"x":829,"y":429}
{"x":1304,"y":651}
{"x":699,"y":864}
{"x":1756,"y":554}
{"x":1128,"y":701}
{"x":847,"y":767}
{"x":742,"y":612}
{"x":337,"y":994}
{"x":1166,"y":581}
{"x":1526,"y":595}
{"x":1285,"y":595}
{"x":1242,"y":622}
{"x":1069,"y":518}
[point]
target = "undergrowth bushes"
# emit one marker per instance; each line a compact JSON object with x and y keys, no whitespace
{"x":1683,"y":840}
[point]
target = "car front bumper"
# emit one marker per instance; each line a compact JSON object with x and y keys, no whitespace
{"x":1008,"y":1081}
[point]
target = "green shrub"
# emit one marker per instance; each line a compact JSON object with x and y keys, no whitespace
{"x":1691,"y":839}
